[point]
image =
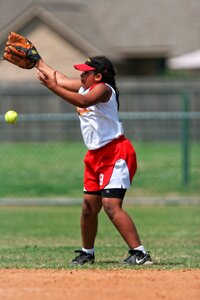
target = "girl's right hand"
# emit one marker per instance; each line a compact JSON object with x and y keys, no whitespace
{"x":47,"y":78}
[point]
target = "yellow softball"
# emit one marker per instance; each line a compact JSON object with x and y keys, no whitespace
{"x":11,"y":117}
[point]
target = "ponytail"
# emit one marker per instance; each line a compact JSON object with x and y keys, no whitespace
{"x":110,"y":79}
{"x":107,"y":70}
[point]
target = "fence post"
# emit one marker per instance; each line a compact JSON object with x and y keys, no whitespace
{"x":185,"y":138}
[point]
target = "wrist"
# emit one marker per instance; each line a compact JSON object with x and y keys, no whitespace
{"x":39,"y":64}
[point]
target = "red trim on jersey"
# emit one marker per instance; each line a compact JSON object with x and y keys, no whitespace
{"x":93,"y":85}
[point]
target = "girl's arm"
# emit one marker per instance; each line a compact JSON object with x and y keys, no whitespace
{"x":100,"y":93}
{"x":71,"y":84}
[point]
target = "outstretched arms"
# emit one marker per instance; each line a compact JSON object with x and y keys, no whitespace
{"x":100,"y":93}
{"x":21,"y":52}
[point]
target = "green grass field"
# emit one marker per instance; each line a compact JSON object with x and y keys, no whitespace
{"x":45,"y":237}
{"x":56,"y":169}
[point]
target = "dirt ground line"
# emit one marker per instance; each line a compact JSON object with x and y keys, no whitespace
{"x":99,"y":284}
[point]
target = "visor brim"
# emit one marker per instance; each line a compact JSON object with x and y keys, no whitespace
{"x":84,"y":67}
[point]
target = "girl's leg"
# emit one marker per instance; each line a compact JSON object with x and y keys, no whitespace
{"x":91,"y":207}
{"x":127,"y":229}
{"x":122,"y":221}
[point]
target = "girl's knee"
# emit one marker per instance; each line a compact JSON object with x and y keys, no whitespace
{"x":89,"y":208}
{"x":86,"y":208}
{"x":110,"y":208}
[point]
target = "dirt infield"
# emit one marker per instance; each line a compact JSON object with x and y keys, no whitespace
{"x":99,"y":284}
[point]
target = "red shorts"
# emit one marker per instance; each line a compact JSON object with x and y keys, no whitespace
{"x":111,"y":166}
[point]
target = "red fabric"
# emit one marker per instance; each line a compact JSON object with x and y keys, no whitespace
{"x":102,"y":161}
{"x":93,"y":85}
{"x":83,"y":67}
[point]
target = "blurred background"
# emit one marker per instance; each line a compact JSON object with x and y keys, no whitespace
{"x":155,"y":47}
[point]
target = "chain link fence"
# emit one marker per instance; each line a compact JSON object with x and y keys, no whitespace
{"x":42,"y":154}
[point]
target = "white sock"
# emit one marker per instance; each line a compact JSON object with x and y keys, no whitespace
{"x":141,"y":248}
{"x":89,"y":251}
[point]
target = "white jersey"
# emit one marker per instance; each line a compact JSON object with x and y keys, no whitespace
{"x":99,"y":123}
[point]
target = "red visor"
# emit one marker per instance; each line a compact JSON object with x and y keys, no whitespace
{"x":84,"y":67}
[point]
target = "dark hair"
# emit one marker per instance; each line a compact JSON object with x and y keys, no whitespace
{"x":105,"y":67}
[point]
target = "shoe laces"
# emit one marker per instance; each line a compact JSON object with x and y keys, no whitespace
{"x":138,"y":253}
{"x":81,"y":252}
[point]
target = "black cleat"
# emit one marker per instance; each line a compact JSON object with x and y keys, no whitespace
{"x":83,"y":258}
{"x":137,"y":257}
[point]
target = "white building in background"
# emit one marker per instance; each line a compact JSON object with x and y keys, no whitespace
{"x":189,"y":61}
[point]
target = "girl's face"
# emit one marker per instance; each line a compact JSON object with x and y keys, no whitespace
{"x":88,"y":78}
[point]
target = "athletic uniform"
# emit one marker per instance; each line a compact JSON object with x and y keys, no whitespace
{"x":110,"y":162}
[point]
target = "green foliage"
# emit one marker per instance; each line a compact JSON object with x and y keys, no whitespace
{"x":180,"y":75}
{"x":46,"y":237}
{"x":56,"y":169}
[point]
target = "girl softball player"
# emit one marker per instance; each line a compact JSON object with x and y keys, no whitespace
{"x":110,"y":162}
